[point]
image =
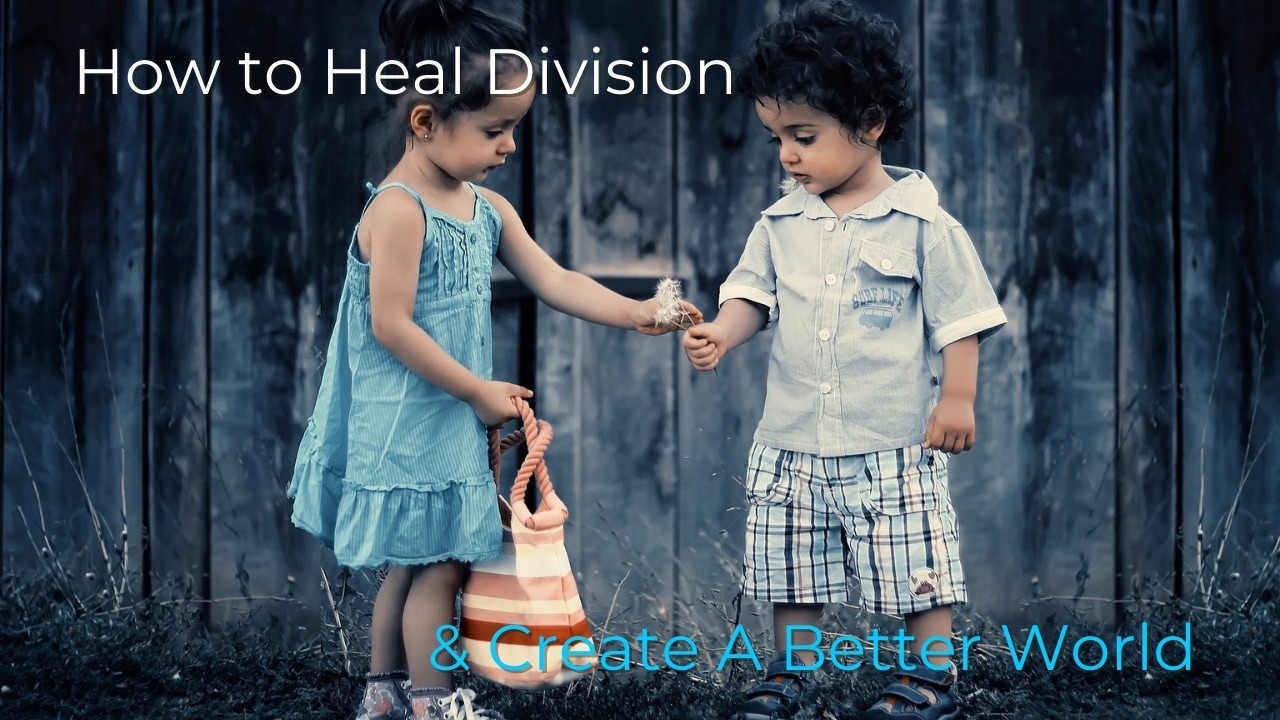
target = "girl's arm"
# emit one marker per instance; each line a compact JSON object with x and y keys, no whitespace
{"x":568,"y":291}
{"x":394,"y":228}
{"x":952,"y":427}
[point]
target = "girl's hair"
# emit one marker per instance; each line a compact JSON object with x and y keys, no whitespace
{"x":414,"y":31}
{"x":837,"y":58}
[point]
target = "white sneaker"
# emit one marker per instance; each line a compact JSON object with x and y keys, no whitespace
{"x":456,"y":705}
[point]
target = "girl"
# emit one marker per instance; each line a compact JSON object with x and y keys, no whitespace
{"x":393,"y":469}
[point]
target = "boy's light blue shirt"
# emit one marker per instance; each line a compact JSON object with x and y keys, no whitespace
{"x":863,"y":305}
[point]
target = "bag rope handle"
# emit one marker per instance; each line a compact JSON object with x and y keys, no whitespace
{"x":551,"y":511}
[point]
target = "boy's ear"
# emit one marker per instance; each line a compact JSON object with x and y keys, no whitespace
{"x":872,"y":135}
{"x":423,"y":120}
{"x":873,"y":122}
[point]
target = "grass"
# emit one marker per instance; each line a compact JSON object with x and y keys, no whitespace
{"x":68,"y":650}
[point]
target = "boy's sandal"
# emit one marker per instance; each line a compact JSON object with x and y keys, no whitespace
{"x":919,"y":694}
{"x":779,"y":695}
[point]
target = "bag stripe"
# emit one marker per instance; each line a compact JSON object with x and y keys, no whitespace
{"x":500,"y":585}
{"x":555,"y":618}
{"x":484,"y":630}
{"x":481,"y":603}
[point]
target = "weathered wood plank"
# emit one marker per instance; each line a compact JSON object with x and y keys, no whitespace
{"x":178,"y":312}
{"x":726,"y":174}
{"x":909,"y":151}
{"x":73,"y":285}
{"x":554,"y":207}
{"x":1229,"y":221}
{"x":4,"y":244}
{"x":617,"y":220}
{"x":1017,"y":139}
{"x":1147,"y":395}
{"x":287,"y":185}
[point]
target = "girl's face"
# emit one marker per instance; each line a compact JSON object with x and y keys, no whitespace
{"x":469,"y":145}
{"x":816,"y":149}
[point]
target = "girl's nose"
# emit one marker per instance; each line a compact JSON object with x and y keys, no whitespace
{"x":786,"y":155}
{"x":508,"y":145}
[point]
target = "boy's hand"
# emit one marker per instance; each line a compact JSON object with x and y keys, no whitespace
{"x":492,"y":401}
{"x":704,"y":345}
{"x":645,"y":313}
{"x":951,"y":426}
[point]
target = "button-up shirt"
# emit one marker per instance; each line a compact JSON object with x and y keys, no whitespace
{"x":863,"y":305}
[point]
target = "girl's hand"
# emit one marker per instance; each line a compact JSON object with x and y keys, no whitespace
{"x":704,"y":344}
{"x":645,"y":312}
{"x":492,"y":401}
{"x":951,"y":426}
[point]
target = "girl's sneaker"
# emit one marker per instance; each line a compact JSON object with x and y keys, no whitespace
{"x":440,"y":704}
{"x":385,"y":697}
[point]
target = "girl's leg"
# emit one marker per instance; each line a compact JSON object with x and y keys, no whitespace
{"x":386,"y":638}
{"x":430,"y":604}
{"x":384,"y":695}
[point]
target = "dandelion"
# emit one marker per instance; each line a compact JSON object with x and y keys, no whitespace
{"x":670,"y":308}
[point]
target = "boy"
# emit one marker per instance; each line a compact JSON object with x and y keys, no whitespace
{"x":879,"y":301}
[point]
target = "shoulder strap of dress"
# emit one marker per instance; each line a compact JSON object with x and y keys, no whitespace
{"x":374,"y":190}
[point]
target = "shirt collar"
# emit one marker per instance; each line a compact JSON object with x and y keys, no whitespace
{"x":911,"y":193}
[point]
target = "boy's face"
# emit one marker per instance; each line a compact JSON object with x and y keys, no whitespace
{"x":816,"y":149}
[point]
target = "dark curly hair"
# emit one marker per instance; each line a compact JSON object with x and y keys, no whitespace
{"x":836,"y":57}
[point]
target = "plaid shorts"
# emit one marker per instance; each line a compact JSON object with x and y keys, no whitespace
{"x":884,"y":516}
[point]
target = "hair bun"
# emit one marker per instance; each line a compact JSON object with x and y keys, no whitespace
{"x":403,"y":21}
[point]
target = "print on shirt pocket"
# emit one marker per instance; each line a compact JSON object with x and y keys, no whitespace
{"x":887,"y":277}
{"x":916,"y":488}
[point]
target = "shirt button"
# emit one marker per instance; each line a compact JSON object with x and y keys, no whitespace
{"x":825,"y":388}
{"x":887,"y":264}
{"x":824,"y":334}
{"x":829,"y":225}
{"x":831,"y":279}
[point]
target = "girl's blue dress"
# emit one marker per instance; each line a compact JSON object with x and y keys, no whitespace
{"x":391,"y":469}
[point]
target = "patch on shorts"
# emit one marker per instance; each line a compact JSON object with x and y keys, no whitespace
{"x":924,"y":581}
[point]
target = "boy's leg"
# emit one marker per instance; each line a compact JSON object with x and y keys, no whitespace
{"x":794,"y":559}
{"x":778,"y":695}
{"x":794,"y":615}
{"x":906,"y":549}
{"x":931,"y":626}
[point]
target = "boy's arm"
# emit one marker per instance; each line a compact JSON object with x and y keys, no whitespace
{"x":568,"y":291}
{"x":739,"y":321}
{"x":952,"y":427}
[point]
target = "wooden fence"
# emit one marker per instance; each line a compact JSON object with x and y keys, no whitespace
{"x":171,"y":265}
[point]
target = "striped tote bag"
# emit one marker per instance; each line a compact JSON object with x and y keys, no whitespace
{"x":522,"y":621}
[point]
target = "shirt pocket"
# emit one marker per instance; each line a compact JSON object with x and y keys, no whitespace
{"x":886,"y":283}
{"x":888,"y":261}
{"x":909,"y":480}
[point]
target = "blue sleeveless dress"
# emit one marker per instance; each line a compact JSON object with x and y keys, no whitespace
{"x":391,"y":469}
